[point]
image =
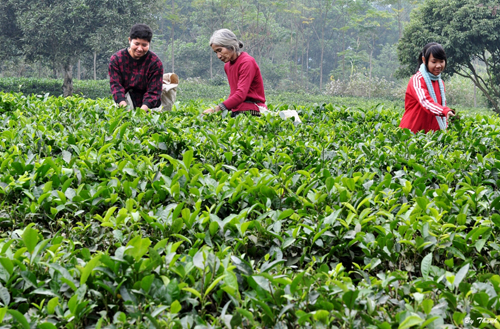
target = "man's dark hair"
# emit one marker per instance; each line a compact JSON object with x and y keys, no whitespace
{"x":433,"y":48}
{"x":141,"y":31}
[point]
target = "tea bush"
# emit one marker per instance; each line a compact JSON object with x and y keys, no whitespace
{"x":128,"y":220}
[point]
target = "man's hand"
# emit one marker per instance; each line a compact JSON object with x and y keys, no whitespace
{"x":145,"y":108}
{"x":122,"y":104}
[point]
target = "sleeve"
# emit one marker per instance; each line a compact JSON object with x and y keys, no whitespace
{"x":246,"y":74}
{"x":155,"y":80}
{"x":115,"y":80}
{"x":419,"y":90}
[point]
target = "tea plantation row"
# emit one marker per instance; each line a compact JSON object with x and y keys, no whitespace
{"x":120,"y":219}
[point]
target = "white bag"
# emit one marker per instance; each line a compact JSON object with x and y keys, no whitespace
{"x":169,"y":91}
{"x":286,"y":114}
{"x":290,"y":114}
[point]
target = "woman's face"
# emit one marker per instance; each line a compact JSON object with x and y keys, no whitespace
{"x":224,"y":54}
{"x":435,"y":66}
{"x":138,"y":47}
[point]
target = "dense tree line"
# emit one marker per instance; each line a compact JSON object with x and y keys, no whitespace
{"x":298,"y":44}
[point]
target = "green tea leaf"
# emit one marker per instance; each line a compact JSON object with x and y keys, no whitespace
{"x":89,"y":267}
{"x":461,"y":274}
{"x":425,"y":267}
{"x":5,"y":296}
{"x":140,"y":247}
{"x":175,"y":307}
{"x":349,"y":298}
{"x":212,"y":286}
{"x":30,"y":238}
{"x":52,"y":304}
{"x":19,"y":318}
{"x":46,"y":325}
{"x":410,"y":321}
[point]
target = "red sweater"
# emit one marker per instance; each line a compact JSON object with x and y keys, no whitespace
{"x":420,"y":108}
{"x":246,"y":84}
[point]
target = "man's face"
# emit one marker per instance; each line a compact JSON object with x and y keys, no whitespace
{"x":138,"y":47}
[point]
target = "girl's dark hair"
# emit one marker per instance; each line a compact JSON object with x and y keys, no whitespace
{"x":141,"y":31}
{"x":433,"y":48}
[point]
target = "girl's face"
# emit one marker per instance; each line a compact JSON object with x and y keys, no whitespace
{"x":435,"y":66}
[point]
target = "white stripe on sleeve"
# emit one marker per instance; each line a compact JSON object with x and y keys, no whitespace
{"x":431,"y":106}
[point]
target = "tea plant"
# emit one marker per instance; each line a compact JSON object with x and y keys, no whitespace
{"x":123,"y":219}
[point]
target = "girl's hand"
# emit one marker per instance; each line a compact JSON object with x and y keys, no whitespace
{"x":450,"y":114}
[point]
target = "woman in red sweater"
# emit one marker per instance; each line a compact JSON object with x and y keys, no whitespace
{"x":245,"y":81}
{"x":425,"y":100}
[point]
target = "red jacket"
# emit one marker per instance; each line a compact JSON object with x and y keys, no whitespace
{"x":246,"y":84}
{"x":420,"y":108}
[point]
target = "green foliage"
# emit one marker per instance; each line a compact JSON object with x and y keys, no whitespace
{"x":86,"y":88}
{"x":173,"y":220}
{"x":460,"y":91}
{"x":467,"y":29}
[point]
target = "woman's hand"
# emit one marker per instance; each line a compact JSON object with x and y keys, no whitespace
{"x":210,"y":111}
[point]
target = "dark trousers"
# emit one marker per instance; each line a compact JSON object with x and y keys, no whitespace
{"x":251,"y":112}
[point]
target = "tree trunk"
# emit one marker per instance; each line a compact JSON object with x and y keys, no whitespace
{"x":68,"y":80}
{"x":370,"y":76}
{"x":400,"y":28}
{"x":307,"y":64}
{"x":295,"y":65}
{"x":95,"y":69}
{"x":321,"y":62}
{"x":172,"y":38}
{"x":79,"y":73}
{"x":343,"y":55}
{"x":475,"y":99}
{"x":475,"y":64}
{"x":211,"y":60}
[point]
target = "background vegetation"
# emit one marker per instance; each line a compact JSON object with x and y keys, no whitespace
{"x":341,"y":47}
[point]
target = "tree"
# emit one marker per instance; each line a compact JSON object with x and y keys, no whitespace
{"x":468,"y":30}
{"x":323,"y":8}
{"x":210,"y":16}
{"x":61,"y":30}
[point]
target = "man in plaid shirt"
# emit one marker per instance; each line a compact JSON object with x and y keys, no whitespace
{"x":135,"y":73}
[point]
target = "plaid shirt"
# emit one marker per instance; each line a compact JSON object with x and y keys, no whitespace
{"x":142,"y":78}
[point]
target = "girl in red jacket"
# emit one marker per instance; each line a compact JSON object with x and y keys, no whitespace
{"x":243,"y":74}
{"x":425,"y":100}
